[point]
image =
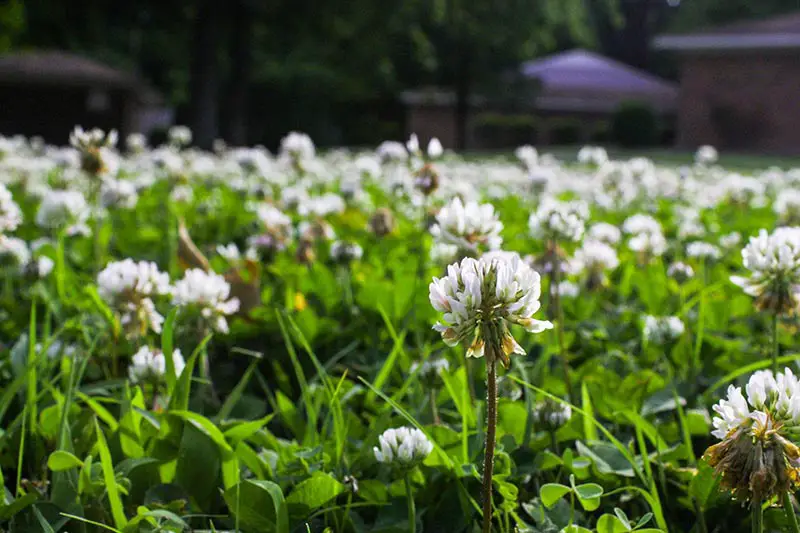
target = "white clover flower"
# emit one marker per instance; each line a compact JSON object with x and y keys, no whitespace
{"x":168,"y":160}
{"x":128,"y":287}
{"x":412,"y":144}
{"x":641,"y":223}
{"x":680,"y":271}
{"x":471,"y":226}
{"x":774,"y":262}
{"x":787,"y":204}
{"x":94,"y":138}
{"x":604,"y":232}
{"x":479,"y":298}
{"x":730,"y":240}
{"x":14,"y":251}
{"x":136,"y":142}
{"x":345,"y":252}
{"x":118,"y":193}
{"x":389,"y":151}
{"x":435,"y":148}
{"x":660,"y":330}
{"x":10,"y":213}
{"x":179,"y":136}
{"x":63,"y":209}
{"x":594,"y":256}
{"x":444,"y":253}
{"x":428,"y":371}
{"x":559,"y":221}
{"x":527,"y":155}
{"x":756,"y":457}
{"x":95,"y":146}
{"x":44,"y":266}
{"x":322,"y":206}
{"x":182,"y":194}
{"x":551,"y":415}
{"x":702,"y":250}
{"x":706,"y":155}
{"x":149,"y":364}
{"x":207,"y":293}
{"x":650,"y":244}
{"x":567,"y":289}
{"x":404,"y":447}
{"x":593,"y":155}
{"x":298,"y":146}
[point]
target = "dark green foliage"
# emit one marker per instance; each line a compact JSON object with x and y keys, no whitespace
{"x":635,"y":124}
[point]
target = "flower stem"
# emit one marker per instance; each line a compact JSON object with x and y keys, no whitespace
{"x":434,"y":407}
{"x":412,"y":512}
{"x":559,"y":314}
{"x":789,"y":510}
{"x":757,"y":519}
{"x":775,"y":347}
{"x":491,"y":428}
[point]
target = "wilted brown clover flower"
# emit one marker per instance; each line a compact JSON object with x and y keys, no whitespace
{"x":756,"y":456}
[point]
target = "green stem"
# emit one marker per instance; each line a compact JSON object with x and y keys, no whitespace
{"x":412,"y":512}
{"x":789,"y":510}
{"x":491,"y":428}
{"x":559,"y":314}
{"x":434,"y":407}
{"x":757,"y":517}
{"x":775,"y":347}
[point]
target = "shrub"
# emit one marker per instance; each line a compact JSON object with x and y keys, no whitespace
{"x":635,"y":124}
{"x":497,"y":130}
{"x":565,"y":131}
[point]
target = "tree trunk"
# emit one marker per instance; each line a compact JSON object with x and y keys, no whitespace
{"x":203,"y":85}
{"x":236,"y":125}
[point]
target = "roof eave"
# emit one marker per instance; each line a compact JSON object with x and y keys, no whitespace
{"x":727,"y":42}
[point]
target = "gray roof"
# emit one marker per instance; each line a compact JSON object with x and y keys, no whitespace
{"x":580,"y":80}
{"x":67,"y":69}
{"x":776,"y":33}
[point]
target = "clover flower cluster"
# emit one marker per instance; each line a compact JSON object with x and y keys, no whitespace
{"x":660,"y":330}
{"x":129,"y":288}
{"x":277,"y":230}
{"x":559,"y":221}
{"x":680,"y":271}
{"x":773,"y":260}
{"x":346,"y":252}
{"x":647,"y":237}
{"x":150,"y":365}
{"x":61,"y":209}
{"x":756,"y":457}
{"x":298,"y":146}
{"x":179,"y":136}
{"x":208,"y":294}
{"x":550,"y":414}
{"x":604,"y":232}
{"x":473,"y":227}
{"x":429,"y":370}
{"x":703,"y":250}
{"x":403,"y":447}
{"x":706,"y":155}
{"x":480,"y":298}
{"x":10,"y":213}
{"x":95,"y":149}
{"x":594,"y":257}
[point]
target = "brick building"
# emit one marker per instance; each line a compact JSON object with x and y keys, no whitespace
{"x":740,"y":85}
{"x":577,"y":88}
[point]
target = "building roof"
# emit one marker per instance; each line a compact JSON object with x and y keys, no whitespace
{"x":576,"y":81}
{"x":579,"y":80}
{"x":776,"y":33}
{"x":67,"y":69}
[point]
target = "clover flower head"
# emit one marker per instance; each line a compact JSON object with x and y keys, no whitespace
{"x":604,"y":232}
{"x":149,"y":364}
{"x":14,"y":252}
{"x":179,"y":136}
{"x":471,"y":226}
{"x":10,"y":213}
{"x":702,"y":250}
{"x":95,"y":149}
{"x":63,"y":209}
{"x":641,"y":223}
{"x":559,"y":221}
{"x":550,"y":414}
{"x":773,"y":260}
{"x":706,"y":155}
{"x":595,"y":256}
{"x":680,"y":272}
{"x":756,"y":456}
{"x":346,"y":252}
{"x":209,"y":294}
{"x":480,"y":298}
{"x":660,"y":330}
{"x":298,"y":146}
{"x":648,"y":244}
{"x":403,"y":447}
{"x":389,"y":151}
{"x":128,"y":287}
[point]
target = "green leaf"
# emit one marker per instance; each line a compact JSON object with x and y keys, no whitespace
{"x":704,"y":484}
{"x":180,"y":398}
{"x":206,"y":427}
{"x":575,"y":529}
{"x":552,"y":492}
{"x":589,"y":495}
{"x":608,"y":523}
{"x":623,"y":517}
{"x":167,"y":350}
{"x":114,"y":500}
{"x":60,"y":460}
{"x":23,"y":502}
{"x":312,"y":493}
{"x":258,"y":505}
{"x":245,"y":430}
{"x":589,"y":431}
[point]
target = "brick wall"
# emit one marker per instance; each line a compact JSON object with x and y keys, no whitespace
{"x":742,"y":101}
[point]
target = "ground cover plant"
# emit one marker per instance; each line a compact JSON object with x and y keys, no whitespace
{"x":394,"y":340}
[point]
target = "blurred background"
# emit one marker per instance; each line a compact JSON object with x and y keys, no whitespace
{"x":478,"y":74}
